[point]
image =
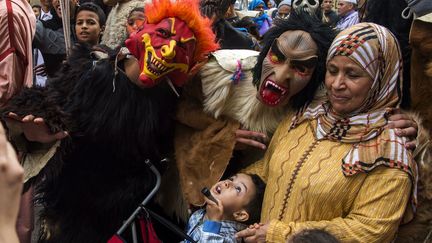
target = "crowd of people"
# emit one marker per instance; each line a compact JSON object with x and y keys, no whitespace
{"x":287,"y":112}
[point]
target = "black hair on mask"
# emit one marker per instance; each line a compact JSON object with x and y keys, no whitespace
{"x":322,"y":36}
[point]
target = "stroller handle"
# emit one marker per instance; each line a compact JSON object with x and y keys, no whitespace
{"x":150,"y":195}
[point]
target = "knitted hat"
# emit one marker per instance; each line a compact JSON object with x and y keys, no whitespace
{"x":350,"y":1}
{"x":285,"y":2}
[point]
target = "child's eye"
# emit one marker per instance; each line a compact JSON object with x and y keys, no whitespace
{"x":238,"y":189}
{"x":231,"y":179}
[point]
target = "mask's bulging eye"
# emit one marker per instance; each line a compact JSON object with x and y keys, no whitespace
{"x":274,"y":58}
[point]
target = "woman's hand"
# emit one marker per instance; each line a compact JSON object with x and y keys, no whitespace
{"x":11,"y":183}
{"x":245,"y":138}
{"x":254,"y":233}
{"x":35,"y":128}
{"x":405,"y":127}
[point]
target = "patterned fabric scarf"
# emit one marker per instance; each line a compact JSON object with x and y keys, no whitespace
{"x":375,"y":49}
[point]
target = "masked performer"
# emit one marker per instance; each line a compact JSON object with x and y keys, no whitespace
{"x":287,"y":73}
{"x":118,"y":113}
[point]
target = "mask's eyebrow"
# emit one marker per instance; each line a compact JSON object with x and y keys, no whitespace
{"x":184,"y":40}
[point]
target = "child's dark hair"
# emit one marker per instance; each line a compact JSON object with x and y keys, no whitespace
{"x":255,"y":204}
{"x":312,"y":236}
{"x":89,"y":6}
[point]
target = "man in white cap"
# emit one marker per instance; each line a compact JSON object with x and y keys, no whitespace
{"x":347,"y":11}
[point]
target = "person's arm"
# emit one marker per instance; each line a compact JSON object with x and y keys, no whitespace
{"x":374,"y":217}
{"x":32,"y":137}
{"x":11,"y":183}
{"x":49,"y":41}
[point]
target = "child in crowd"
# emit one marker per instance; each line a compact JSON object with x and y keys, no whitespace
{"x":36,"y":10}
{"x":89,"y":23}
{"x":237,"y":204}
{"x":135,"y":20}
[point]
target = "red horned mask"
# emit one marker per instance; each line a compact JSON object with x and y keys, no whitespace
{"x":173,"y":39}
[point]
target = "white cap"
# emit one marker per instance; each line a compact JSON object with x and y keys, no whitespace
{"x":349,"y":1}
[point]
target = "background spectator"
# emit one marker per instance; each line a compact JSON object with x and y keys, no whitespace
{"x":36,"y":10}
{"x":135,"y":20}
{"x":283,"y":10}
{"x":347,"y":13}
{"x":329,"y":16}
{"x":45,"y":10}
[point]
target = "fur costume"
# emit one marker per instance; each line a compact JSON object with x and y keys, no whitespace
{"x":97,"y":176}
{"x":421,"y":75}
{"x":420,"y":228}
{"x":102,"y":160}
{"x":210,"y":117}
{"x":388,"y":14}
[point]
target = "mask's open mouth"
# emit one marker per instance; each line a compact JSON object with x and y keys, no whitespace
{"x":271,"y":93}
{"x":154,"y":66}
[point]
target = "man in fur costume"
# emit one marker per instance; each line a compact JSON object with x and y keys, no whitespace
{"x":420,"y":229}
{"x":224,"y":99}
{"x":118,"y":110}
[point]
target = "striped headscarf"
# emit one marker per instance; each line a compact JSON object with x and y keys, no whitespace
{"x":375,"y":49}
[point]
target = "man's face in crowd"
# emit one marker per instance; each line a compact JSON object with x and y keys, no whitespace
{"x":344,"y":8}
{"x":327,"y":5}
{"x":45,"y":3}
{"x":283,"y":12}
{"x":87,"y":27}
{"x":287,"y":68}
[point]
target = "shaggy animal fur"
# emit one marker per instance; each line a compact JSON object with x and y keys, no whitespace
{"x":237,"y":101}
{"x":98,"y":175}
{"x":420,"y":228}
{"x":421,"y":75}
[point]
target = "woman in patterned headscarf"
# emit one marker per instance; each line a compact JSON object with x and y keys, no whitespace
{"x":335,"y":166}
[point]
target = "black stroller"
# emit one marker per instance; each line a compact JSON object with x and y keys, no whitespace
{"x":144,"y":216}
